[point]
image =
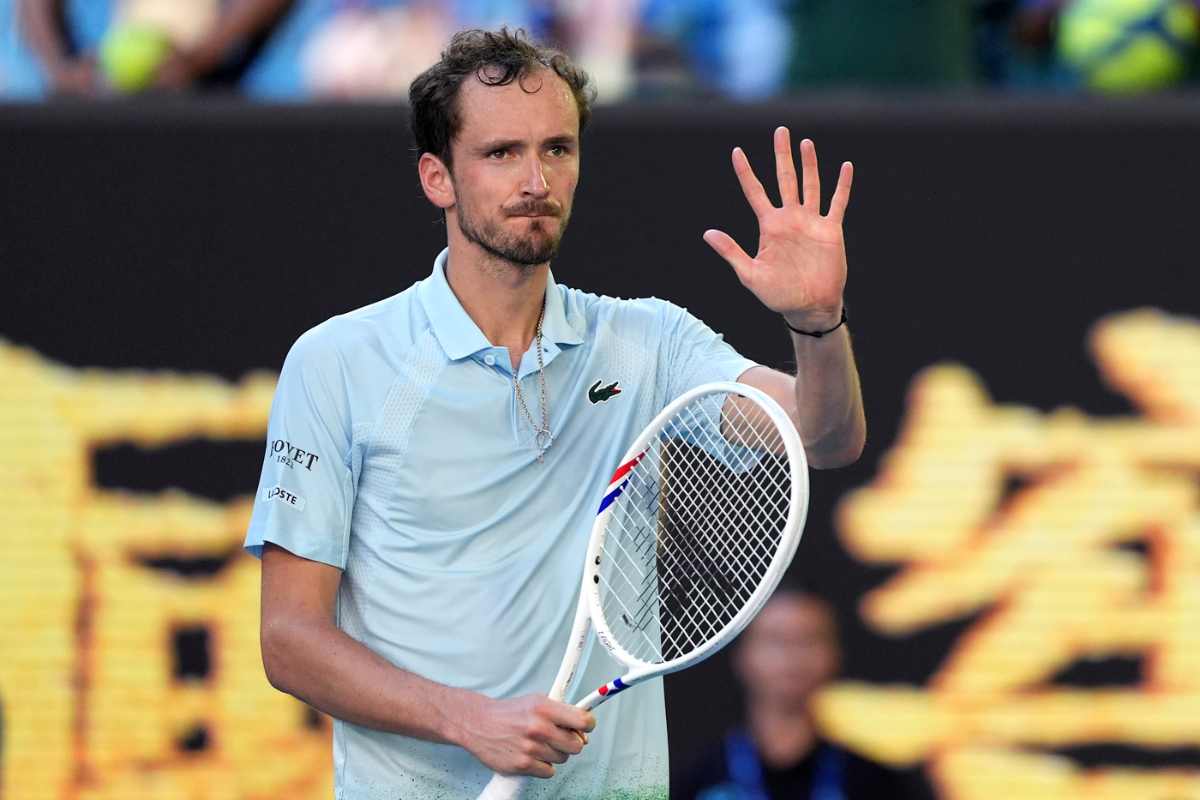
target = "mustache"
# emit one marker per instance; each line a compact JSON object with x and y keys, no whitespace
{"x":530,"y":208}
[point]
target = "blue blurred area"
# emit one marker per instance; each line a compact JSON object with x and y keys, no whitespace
{"x":20,"y":73}
{"x":739,"y":49}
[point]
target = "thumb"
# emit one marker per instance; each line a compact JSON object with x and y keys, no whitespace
{"x":731,"y":251}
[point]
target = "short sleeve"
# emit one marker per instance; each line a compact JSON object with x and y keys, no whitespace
{"x":306,"y":492}
{"x":695,"y":354}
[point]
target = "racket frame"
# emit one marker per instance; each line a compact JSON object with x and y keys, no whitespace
{"x":640,"y":670}
{"x":588,"y":610}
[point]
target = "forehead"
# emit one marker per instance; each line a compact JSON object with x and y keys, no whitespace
{"x":791,"y":614}
{"x":535,"y":105}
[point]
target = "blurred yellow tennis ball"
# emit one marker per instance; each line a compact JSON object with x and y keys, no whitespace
{"x":131,"y":55}
{"x":1129,"y":45}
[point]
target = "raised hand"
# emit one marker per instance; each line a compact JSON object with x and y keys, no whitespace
{"x":799,"y":270}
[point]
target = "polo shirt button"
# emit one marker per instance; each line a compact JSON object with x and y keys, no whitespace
{"x":490,"y":360}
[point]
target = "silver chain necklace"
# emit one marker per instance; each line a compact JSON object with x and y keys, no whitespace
{"x":542,"y":436}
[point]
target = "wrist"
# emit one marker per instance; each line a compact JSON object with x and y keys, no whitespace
{"x":816,"y":323}
{"x":457,"y":711}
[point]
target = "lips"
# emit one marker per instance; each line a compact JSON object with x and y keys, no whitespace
{"x":541,"y":211}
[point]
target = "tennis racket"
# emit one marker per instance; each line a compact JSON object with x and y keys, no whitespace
{"x":694,"y":531}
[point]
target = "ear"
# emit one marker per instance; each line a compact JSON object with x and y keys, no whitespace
{"x":436,"y":181}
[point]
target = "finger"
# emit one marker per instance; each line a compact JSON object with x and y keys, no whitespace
{"x":785,"y":168}
{"x":567,"y":739}
{"x":571,"y":717}
{"x":553,"y":744}
{"x":731,"y":251}
{"x":550,"y":754}
{"x":841,"y":195}
{"x":569,"y":742}
{"x":812,"y":176}
{"x":530,"y":765}
{"x":756,"y":195}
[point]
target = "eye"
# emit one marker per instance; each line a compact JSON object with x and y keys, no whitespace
{"x":559,"y":150}
{"x":498,"y":153}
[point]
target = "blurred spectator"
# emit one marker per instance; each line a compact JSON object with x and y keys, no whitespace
{"x":644,"y":47}
{"x":368,"y":51}
{"x":601,"y":36}
{"x":376,"y":47}
{"x":739,"y":48}
{"x":94,"y":46}
{"x":785,"y":656}
{"x":50,"y":47}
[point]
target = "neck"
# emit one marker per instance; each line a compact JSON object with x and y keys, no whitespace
{"x":784,"y":735}
{"x":504,"y":299}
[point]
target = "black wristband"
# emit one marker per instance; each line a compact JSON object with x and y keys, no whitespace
{"x":819,"y":334}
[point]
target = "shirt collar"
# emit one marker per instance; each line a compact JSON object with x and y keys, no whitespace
{"x":458,"y":334}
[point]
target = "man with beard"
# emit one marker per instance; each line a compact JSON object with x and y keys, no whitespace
{"x":433,"y":458}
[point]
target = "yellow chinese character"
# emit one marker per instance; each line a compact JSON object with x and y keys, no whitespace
{"x":92,"y":707}
{"x":1097,"y":554}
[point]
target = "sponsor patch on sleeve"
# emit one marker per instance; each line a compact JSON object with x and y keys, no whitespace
{"x":291,"y":455}
{"x":282,"y":495}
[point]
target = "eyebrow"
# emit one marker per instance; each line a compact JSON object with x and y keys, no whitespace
{"x":499,"y":144}
{"x":508,"y":144}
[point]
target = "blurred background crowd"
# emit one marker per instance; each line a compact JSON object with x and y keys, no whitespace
{"x":635,"y":49}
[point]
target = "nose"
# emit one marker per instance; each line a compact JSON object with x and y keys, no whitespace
{"x":536,"y":184}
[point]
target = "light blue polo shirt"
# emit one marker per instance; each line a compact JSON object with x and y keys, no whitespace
{"x":398,"y":453}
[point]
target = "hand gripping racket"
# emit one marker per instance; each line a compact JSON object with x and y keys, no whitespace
{"x":693,"y":532}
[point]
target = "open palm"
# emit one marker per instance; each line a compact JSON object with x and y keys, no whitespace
{"x":800,"y":267}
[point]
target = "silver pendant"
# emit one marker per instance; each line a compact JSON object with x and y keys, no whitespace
{"x":543,"y":440}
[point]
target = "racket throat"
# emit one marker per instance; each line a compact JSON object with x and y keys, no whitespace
{"x":610,"y":689}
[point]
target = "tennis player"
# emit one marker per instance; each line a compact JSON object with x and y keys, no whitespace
{"x":434,"y":460}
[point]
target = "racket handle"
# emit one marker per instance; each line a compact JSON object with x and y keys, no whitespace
{"x":504,"y":787}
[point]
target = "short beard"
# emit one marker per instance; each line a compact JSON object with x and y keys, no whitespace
{"x":520,"y":251}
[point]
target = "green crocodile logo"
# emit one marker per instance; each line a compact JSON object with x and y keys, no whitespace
{"x":600,"y":394}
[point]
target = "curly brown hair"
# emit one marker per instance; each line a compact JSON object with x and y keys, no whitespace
{"x":495,"y":58}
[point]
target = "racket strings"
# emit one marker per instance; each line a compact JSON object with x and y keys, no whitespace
{"x":695,"y":529}
{"x":703,"y":585}
{"x":699,"y":547}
